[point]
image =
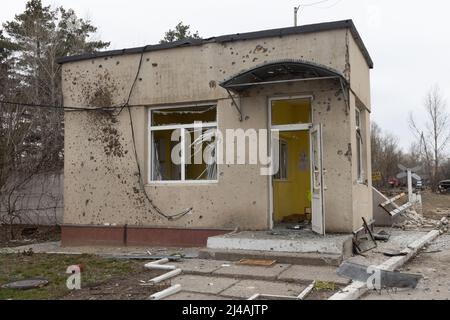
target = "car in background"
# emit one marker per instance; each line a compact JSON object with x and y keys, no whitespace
{"x":444,"y":186}
{"x":394,"y":182}
{"x":419,"y":185}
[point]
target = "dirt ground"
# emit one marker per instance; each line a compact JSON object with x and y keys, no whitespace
{"x":122,"y":288}
{"x":435,"y":205}
{"x":101,"y":278}
{"x":28,"y":234}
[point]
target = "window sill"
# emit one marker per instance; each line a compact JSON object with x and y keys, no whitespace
{"x":181,"y":183}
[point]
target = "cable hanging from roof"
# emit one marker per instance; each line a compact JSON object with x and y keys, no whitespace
{"x":141,"y":180}
{"x":47,"y":106}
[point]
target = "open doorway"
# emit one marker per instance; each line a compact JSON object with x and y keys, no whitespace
{"x":296,"y":188}
{"x":292,"y":182}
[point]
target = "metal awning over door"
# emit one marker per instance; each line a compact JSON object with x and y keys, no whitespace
{"x":281,"y":71}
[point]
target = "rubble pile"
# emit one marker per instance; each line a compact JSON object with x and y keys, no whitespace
{"x":414,"y":221}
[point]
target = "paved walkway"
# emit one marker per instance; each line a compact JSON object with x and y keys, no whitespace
{"x":212,"y":279}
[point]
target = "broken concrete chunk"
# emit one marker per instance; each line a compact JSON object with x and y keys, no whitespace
{"x":386,"y":280}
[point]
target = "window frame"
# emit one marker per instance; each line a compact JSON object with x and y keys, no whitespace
{"x":360,"y":173}
{"x":182,"y":127}
{"x":280,"y":178}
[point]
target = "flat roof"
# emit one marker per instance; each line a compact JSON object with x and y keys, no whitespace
{"x":326,"y":26}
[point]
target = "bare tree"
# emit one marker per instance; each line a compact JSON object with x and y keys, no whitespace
{"x":32,"y":138}
{"x":434,"y":134}
{"x":386,"y":153}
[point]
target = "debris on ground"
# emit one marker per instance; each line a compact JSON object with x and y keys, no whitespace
{"x":366,"y":241}
{"x":166,"y":292}
{"x":28,"y":252}
{"x":172,"y":272}
{"x":392,"y":208}
{"x":387,"y":279}
{"x":307,"y":291}
{"x":142,"y":257}
{"x":415,"y":221}
{"x":162,"y":277}
{"x":394,"y":253}
{"x":382,"y":236}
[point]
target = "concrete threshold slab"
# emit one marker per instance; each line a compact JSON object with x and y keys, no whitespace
{"x":310,"y":259}
{"x":283,"y":241}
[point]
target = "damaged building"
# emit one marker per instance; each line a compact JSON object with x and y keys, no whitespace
{"x":310,"y":84}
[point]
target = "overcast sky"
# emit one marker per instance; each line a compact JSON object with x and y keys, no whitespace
{"x":409,"y":40}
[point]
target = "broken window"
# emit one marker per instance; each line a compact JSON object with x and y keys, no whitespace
{"x":183,"y":143}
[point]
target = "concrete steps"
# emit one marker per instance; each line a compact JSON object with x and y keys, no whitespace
{"x":297,"y":258}
{"x":285,"y":246}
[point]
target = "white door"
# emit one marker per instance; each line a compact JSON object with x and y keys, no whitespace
{"x":318,"y":212}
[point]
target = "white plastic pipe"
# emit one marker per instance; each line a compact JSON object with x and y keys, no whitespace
{"x":305,"y":292}
{"x":165,"y":276}
{"x":159,"y":266}
{"x":166,"y":292}
{"x":254,"y":297}
{"x":160,"y":261}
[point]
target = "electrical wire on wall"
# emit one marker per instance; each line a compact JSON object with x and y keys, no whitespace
{"x":141,"y":181}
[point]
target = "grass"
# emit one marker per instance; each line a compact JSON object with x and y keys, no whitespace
{"x":323,"y":285}
{"x":53,"y":268}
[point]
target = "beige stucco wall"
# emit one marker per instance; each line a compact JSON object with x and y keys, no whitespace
{"x":362,"y":190}
{"x":359,"y":72}
{"x":101,"y":184}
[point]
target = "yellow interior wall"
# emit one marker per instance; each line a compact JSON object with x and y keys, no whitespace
{"x":291,"y":111}
{"x":292,"y":197}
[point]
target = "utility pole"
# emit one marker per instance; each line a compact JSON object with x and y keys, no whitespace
{"x":296,"y":9}
{"x":410,"y":189}
{"x":410,"y":174}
